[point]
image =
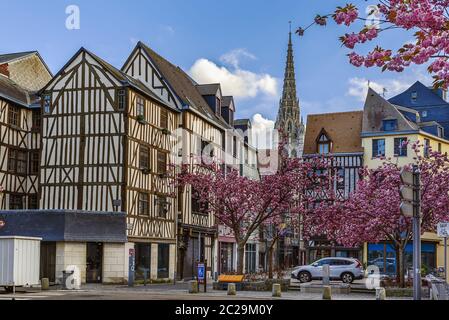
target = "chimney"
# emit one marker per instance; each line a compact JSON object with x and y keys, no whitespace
{"x":4,"y":69}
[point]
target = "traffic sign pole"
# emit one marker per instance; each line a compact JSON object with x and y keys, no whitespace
{"x":445,"y":259}
{"x":416,"y":235}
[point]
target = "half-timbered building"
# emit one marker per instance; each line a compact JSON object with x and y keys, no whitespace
{"x":336,"y":136}
{"x":107,"y":146}
{"x":21,"y":76}
{"x":202,"y":128}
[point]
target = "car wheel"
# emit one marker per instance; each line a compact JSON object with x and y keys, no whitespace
{"x":347,"y":277}
{"x":304,"y":277}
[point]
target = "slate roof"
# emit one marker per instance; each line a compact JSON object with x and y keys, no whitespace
{"x":184,"y":87}
{"x":342,"y":128}
{"x":10,"y":57}
{"x":208,"y":89}
{"x":11,"y":91}
{"x":227,"y":101}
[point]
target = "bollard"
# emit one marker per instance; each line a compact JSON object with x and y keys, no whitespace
{"x":277,"y":293}
{"x":193,"y":287}
{"x":232,"y":291}
{"x":381,"y":294}
{"x":327,"y":293}
{"x":45,"y":284}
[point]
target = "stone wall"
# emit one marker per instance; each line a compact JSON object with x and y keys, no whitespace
{"x":70,"y":254}
{"x":115,"y":264}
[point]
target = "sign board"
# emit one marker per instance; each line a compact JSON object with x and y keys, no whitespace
{"x":443,"y":230}
{"x":132,"y":267}
{"x":231,"y":279}
{"x":407,"y":209}
{"x":407,"y":177}
{"x":407,"y":193}
{"x":201,"y":272}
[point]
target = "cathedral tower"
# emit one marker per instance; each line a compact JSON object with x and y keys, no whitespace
{"x":289,"y":119}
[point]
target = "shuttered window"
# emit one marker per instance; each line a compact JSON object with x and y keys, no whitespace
{"x":161,"y":162}
{"x":14,"y":116}
{"x":144,"y":158}
{"x":144,"y":204}
{"x":164,"y":119}
{"x":34,"y":162}
{"x":17,"y":161}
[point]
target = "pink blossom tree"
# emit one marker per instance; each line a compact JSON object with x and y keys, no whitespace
{"x":244,"y":205}
{"x":429,"y":19}
{"x":372,"y":212}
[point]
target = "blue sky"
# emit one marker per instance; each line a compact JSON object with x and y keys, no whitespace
{"x":239,"y":42}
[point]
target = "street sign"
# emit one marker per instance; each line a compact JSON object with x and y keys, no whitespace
{"x":407,"y":209}
{"x":407,"y":177}
{"x":201,"y":272}
{"x":443,"y":230}
{"x":407,"y":193}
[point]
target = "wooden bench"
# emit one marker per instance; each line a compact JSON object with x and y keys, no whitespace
{"x":230,"y":279}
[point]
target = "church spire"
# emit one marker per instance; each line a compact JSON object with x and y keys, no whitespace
{"x":289,"y":117}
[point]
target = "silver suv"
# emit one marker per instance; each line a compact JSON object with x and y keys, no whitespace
{"x":344,"y":269}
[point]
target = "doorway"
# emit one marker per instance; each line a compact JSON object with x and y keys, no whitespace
{"x":48,"y":261}
{"x":94,"y":263}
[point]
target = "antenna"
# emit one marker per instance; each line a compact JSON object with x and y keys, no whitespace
{"x":290,"y":24}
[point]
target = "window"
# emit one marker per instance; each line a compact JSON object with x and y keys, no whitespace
{"x":426,"y":147}
{"x":414,"y":96}
{"x":424,"y":114}
{"x":144,"y":158}
{"x":162,"y":207}
{"x":400,"y":147}
{"x":250,"y":258}
{"x":341,"y":179}
{"x":34,"y":162}
{"x":33,"y":202}
{"x":324,"y":145}
{"x":14,"y":116}
{"x":234,"y":146}
{"x":439,"y":147}
{"x":16,"y":202}
{"x":121,"y":97}
{"x":161,"y":162}
{"x":36,"y":120}
{"x":140,"y":107}
{"x":198,"y":207}
{"x":47,"y":103}
{"x":378,"y":148}
{"x":206,"y":149}
{"x":218,"y":105}
{"x":164,"y":119}
{"x":440,"y":132}
{"x":163,"y":261}
{"x":17,"y":161}
{"x":390,"y":125}
{"x":144,"y":208}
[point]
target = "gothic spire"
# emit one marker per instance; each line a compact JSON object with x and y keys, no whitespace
{"x":289,"y":116}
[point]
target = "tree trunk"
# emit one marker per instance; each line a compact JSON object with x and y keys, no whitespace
{"x":240,"y":258}
{"x":270,"y":261}
{"x":400,"y":276}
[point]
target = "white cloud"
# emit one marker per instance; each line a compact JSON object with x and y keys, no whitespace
{"x":233,"y":57}
{"x":358,"y":87}
{"x":262,"y":132}
{"x":234,"y":81}
{"x":168,"y":29}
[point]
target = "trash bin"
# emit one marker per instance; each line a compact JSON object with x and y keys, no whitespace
{"x":68,"y":281}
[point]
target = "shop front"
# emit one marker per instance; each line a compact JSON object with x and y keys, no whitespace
{"x":317,"y":249}
{"x":383,"y":255}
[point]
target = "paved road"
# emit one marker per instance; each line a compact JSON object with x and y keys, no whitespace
{"x":163,"y":292}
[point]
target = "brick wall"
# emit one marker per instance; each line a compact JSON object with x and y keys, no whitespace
{"x":4,"y":69}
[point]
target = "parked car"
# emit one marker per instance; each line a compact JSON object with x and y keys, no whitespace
{"x":344,"y":269}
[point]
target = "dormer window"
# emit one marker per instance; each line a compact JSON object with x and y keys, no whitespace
{"x":218,"y":105}
{"x":390,"y":125}
{"x":324,"y":144}
{"x":440,"y":132}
